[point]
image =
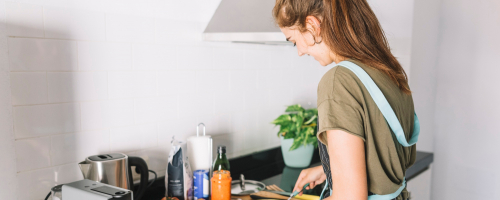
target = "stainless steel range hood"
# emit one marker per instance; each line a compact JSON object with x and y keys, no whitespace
{"x":244,"y":21}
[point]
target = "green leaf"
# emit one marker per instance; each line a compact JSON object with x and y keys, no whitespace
{"x":283,"y":130}
{"x":298,"y":123}
{"x":289,"y":135}
{"x":306,"y":139}
{"x":294,"y":108}
{"x":296,"y":144}
{"x":282,"y":119}
{"x":310,"y":120}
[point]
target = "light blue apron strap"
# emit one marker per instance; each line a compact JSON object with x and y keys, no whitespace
{"x":388,"y":196}
{"x":324,"y":188}
{"x":384,"y":105}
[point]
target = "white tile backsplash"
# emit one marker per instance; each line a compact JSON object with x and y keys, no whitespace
{"x":195,"y":57}
{"x":121,"y":84}
{"x":149,"y":135}
{"x":75,"y":147}
{"x":212,"y":82}
{"x":176,"y":82}
{"x":229,"y":102}
{"x":132,"y":84}
{"x":104,"y":56}
{"x":133,"y":138}
{"x":216,"y":124}
{"x":33,"y":54}
{"x":28,"y":88}
{"x":67,"y":23}
{"x":24,"y":20}
{"x":175,"y":31}
{"x":230,"y":58}
{"x":243,"y":80}
{"x":39,"y":120}
{"x":77,"y":86}
{"x":258,"y":59}
{"x":149,"y":110}
{"x":37,"y":182}
{"x":129,"y":28}
{"x":103,"y":114}
{"x":195,"y":105}
{"x":33,"y":153}
{"x":121,"y":112}
{"x":122,"y":76}
{"x":154,"y":57}
{"x":125,"y":139}
{"x":95,"y":115}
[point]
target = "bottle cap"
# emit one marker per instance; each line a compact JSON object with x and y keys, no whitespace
{"x":221,"y":149}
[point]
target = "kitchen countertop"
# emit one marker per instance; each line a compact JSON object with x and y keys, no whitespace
{"x":268,"y":166}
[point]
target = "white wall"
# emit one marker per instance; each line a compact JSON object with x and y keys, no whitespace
{"x":424,"y":55}
{"x":90,"y":77}
{"x":396,"y":18}
{"x":467,"y":95}
{"x":7,"y":152}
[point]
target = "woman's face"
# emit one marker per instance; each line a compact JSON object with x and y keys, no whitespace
{"x":306,"y":45}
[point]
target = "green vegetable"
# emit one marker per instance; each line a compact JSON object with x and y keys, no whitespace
{"x":299,"y":124}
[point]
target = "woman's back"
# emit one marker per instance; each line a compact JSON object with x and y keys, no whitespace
{"x":345,"y":104}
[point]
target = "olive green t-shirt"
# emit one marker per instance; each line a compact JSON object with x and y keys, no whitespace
{"x":345,"y":104}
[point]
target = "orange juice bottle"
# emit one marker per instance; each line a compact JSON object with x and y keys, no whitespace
{"x":221,"y":185}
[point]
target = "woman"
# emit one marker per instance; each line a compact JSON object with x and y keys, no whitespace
{"x":362,"y":156}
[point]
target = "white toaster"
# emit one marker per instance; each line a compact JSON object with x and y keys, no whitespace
{"x":91,"y":190}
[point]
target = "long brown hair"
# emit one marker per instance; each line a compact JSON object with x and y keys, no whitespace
{"x":349,"y":28}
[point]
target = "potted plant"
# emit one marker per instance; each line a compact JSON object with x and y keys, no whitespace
{"x":298,"y":135}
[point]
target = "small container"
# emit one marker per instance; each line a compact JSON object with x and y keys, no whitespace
{"x":221,"y":185}
{"x":201,"y":184}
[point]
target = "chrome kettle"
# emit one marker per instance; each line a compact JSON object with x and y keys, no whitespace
{"x":115,"y":169}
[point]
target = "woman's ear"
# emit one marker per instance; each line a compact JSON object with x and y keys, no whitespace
{"x":314,"y":25}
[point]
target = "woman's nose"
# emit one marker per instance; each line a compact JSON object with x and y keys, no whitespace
{"x":300,"y":53}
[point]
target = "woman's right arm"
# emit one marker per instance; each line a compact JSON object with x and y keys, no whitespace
{"x":314,"y":176}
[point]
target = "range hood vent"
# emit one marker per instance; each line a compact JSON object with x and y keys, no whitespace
{"x":247,"y":21}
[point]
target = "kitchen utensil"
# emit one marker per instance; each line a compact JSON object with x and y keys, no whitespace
{"x":92,"y":190}
{"x":199,"y":149}
{"x":268,"y":195}
{"x":297,"y":192}
{"x":277,"y":190}
{"x":242,"y":186}
{"x":274,"y":188}
{"x":115,"y":169}
{"x":245,"y":187}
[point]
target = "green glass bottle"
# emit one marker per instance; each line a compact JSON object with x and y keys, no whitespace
{"x":221,"y":162}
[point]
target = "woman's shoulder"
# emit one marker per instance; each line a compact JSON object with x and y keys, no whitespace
{"x":339,"y":75}
{"x":337,"y":79}
{"x":340,"y":82}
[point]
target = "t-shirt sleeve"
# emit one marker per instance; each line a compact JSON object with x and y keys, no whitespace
{"x":340,"y":106}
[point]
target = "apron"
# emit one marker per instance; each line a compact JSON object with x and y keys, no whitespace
{"x":389,"y":116}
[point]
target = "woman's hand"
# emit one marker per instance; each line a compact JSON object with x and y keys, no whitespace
{"x":314,"y":176}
